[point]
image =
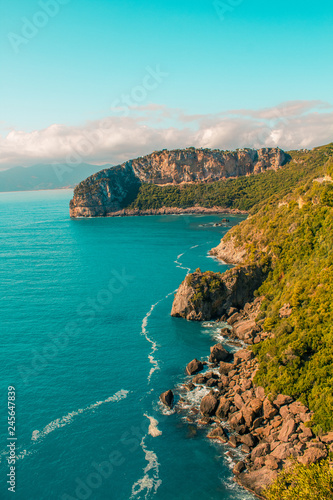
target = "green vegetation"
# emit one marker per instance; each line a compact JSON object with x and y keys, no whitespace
{"x":244,"y":193}
{"x":207,"y":284}
{"x":303,"y":482}
{"x":294,"y":236}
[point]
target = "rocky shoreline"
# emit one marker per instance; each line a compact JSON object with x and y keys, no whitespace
{"x":270,"y":431}
{"x":126,"y":212}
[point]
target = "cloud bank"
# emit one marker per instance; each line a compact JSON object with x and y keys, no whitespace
{"x":290,"y":125}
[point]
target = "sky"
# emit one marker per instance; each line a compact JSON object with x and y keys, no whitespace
{"x":106,"y":80}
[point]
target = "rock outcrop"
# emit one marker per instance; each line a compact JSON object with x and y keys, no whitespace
{"x":112,"y":189}
{"x":205,"y":296}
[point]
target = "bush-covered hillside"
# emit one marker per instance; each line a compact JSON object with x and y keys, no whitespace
{"x":295,"y":235}
{"x":243,"y":193}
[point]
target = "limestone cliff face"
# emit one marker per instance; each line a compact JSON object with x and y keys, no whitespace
{"x":205,"y":296}
{"x":228,"y":252}
{"x":113,"y":189}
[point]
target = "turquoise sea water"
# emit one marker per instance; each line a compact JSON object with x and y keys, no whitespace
{"x":89,"y":344}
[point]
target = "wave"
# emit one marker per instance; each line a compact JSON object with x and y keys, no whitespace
{"x":68,"y":419}
{"x":149,"y":483}
{"x":144,"y":332}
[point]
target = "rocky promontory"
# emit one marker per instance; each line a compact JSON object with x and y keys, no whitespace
{"x":205,"y":296}
{"x":113,"y":189}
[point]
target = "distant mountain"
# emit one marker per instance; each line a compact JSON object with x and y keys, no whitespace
{"x":48,"y":176}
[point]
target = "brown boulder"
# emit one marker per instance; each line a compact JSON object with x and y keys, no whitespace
{"x":239,"y":467}
{"x":283,"y":451}
{"x":243,"y":355}
{"x":218,"y":353}
{"x":225,"y":368}
{"x":260,"y":451}
{"x":327,"y":438}
{"x":282,"y":400}
{"x":269,"y":410}
{"x":257,"y":480}
{"x":249,"y":440}
{"x":312,"y":455}
{"x":194,"y":366}
{"x":218,"y":433}
{"x":271,"y":462}
{"x":223,"y":408}
{"x":288,"y":428}
{"x":167,"y":398}
{"x":208,"y":405}
{"x":236,"y":420}
{"x":238,"y":401}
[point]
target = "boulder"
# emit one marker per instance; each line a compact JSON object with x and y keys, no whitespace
{"x":271,"y":462}
{"x":218,"y":353}
{"x":269,"y":410}
{"x":167,"y":398}
{"x":249,"y":440}
{"x":242,"y":355}
{"x":239,"y":467}
{"x":283,"y":451}
{"x":238,"y":401}
{"x":288,"y":428}
{"x":260,"y":451}
{"x":219,"y":434}
{"x":327,"y":438}
{"x":208,"y":405}
{"x":236,"y":420}
{"x":225,"y":368}
{"x":312,"y":455}
{"x":257,"y":480}
{"x":233,"y":441}
{"x":223,"y":408}
{"x":282,"y":400}
{"x":199,"y":379}
{"x":194,"y":366}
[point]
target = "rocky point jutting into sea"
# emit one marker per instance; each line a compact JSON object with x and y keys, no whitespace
{"x":110,"y":191}
{"x":268,"y":431}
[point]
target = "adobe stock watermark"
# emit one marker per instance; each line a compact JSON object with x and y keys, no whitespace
{"x":31,"y":27}
{"x":225,"y":7}
{"x":139,"y":94}
{"x":86,"y":312}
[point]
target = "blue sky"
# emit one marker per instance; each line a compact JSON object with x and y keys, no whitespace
{"x":218,"y":56}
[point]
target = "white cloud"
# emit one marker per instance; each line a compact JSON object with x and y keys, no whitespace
{"x":290,"y":125}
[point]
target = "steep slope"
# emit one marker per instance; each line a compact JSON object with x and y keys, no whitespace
{"x":114,"y":189}
{"x":292,"y":238}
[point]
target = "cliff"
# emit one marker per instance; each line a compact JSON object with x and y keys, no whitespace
{"x":114,"y":189}
{"x":205,"y":296}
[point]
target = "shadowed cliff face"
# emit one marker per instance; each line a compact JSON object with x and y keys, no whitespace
{"x":115,"y":188}
{"x":206,"y":296}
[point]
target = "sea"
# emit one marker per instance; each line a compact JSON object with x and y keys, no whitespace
{"x":88,"y":345}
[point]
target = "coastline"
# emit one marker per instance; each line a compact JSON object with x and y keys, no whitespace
{"x":264,"y":433}
{"x":91,"y":212}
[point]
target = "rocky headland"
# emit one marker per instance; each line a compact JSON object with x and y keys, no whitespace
{"x":111,"y":190}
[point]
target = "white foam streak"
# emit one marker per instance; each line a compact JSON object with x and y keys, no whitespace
{"x":68,"y":419}
{"x":148,"y":483}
